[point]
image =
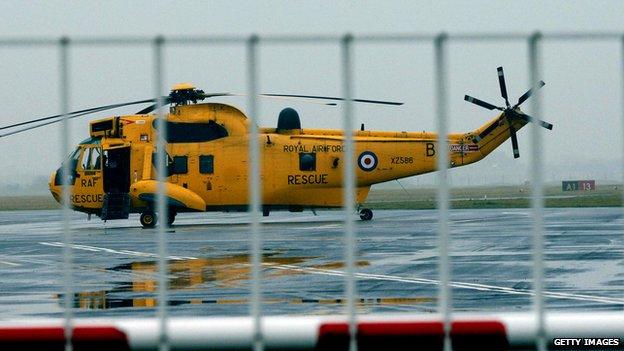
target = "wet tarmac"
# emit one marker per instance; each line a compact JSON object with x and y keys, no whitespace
{"x":115,"y":263}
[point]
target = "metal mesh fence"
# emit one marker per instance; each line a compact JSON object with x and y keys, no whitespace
{"x":345,"y":43}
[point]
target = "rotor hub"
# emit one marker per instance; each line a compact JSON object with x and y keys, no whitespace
{"x":185,"y":93}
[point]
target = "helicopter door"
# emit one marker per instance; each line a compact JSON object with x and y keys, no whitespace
{"x":87,"y":192}
{"x":117,"y":170}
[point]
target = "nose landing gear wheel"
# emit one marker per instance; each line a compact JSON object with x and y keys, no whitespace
{"x":148,"y":219}
{"x":366,"y":214}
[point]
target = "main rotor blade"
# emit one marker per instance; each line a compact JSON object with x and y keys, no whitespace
{"x":336,"y":99}
{"x":81,"y":112}
{"x":165,"y":101}
{"x":168,"y":100}
{"x":481,"y":103}
{"x":307,"y":101}
{"x":276,"y":97}
{"x":503,"y":86}
{"x":528,"y":118}
{"x":59,"y":119}
{"x":514,"y":141}
{"x":529,"y":93}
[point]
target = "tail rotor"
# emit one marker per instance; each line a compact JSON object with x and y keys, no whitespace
{"x":511,"y":113}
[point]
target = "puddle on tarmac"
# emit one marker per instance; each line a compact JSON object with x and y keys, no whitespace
{"x":191,"y":274}
{"x":228,"y":272}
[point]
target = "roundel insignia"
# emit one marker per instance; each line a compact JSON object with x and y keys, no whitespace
{"x":367,"y":161}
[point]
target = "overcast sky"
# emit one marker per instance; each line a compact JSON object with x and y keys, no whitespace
{"x":582,"y":98}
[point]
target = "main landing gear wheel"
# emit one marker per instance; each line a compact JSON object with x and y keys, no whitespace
{"x":366,"y":214}
{"x":148,"y":219}
{"x":171,"y":218}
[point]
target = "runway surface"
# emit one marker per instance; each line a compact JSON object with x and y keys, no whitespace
{"x":115,"y":263}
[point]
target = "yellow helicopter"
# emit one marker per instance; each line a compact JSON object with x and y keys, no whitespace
{"x":113,"y":173}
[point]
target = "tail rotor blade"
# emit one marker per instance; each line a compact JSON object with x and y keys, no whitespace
{"x":481,"y":103}
{"x":510,"y":113}
{"x":528,"y":118}
{"x":503,"y":86}
{"x":514,"y":141}
{"x":529,"y":93}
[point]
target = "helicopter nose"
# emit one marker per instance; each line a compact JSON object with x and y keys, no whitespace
{"x":54,"y":189}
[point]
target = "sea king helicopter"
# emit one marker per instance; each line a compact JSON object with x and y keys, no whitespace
{"x":112,"y":173}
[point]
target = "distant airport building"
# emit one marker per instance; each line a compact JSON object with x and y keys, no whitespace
{"x":575,"y":185}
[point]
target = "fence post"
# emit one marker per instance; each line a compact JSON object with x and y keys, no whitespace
{"x":68,"y":298}
{"x":161,"y":203}
{"x":348,"y":183}
{"x":444,"y":260}
{"x":255,"y":194}
{"x":537,"y":195}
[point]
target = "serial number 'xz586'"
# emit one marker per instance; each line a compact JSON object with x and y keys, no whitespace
{"x":401,"y":160}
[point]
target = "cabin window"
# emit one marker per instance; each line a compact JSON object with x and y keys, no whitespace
{"x":168,"y":164}
{"x":193,"y":132}
{"x":307,"y":161}
{"x":206,"y":164}
{"x":180,"y":165}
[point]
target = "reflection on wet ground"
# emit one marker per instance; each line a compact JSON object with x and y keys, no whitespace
{"x":198,"y":273}
{"x":209,"y":273}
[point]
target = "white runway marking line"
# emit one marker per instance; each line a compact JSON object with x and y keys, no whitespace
{"x":117,"y":252}
{"x":319,"y":271}
{"x":10,"y":263}
{"x":479,"y":287}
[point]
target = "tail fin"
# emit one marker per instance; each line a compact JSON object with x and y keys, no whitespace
{"x":475,"y":145}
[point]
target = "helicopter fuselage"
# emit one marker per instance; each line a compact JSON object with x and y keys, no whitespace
{"x":207,"y":161}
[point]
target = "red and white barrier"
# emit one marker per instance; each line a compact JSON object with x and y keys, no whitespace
{"x":392,"y":332}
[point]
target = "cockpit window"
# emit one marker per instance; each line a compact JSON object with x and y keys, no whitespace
{"x":193,"y":132}
{"x":72,"y":163}
{"x":92,"y":159}
{"x":91,"y":140}
{"x":74,"y":156}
